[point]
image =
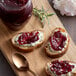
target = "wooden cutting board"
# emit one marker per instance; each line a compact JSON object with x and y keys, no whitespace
{"x":37,"y":58}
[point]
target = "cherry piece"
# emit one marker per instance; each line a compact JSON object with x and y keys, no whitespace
{"x":28,"y":38}
{"x":61,"y":67}
{"x":57,"y":41}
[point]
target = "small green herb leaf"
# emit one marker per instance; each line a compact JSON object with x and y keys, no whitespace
{"x":42,"y":15}
{"x":50,"y":14}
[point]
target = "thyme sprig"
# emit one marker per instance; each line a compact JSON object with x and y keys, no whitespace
{"x":42,"y":15}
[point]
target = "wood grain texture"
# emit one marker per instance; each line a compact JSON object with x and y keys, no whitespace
{"x":37,"y":58}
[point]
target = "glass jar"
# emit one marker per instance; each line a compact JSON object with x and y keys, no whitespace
{"x":15,"y":12}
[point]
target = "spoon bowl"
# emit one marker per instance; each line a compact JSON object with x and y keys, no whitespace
{"x":21,"y":63}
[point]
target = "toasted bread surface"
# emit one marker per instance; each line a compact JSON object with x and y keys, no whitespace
{"x":50,"y":73}
{"x":55,"y":54}
{"x":27,"y":48}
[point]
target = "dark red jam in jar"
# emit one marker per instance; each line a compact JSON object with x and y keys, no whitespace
{"x":61,"y":67}
{"x":57,"y":41}
{"x":15,"y":12}
{"x":28,"y":38}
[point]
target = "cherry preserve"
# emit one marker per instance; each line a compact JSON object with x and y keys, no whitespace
{"x":61,"y":67}
{"x":57,"y":41}
{"x":15,"y":12}
{"x":28,"y":38}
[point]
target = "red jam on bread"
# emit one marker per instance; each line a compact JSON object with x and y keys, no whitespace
{"x":27,"y":41}
{"x":57,"y":40}
{"x":61,"y":67}
{"x":28,"y":38}
{"x":58,"y":43}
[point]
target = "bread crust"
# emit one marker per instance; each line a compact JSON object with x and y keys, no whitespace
{"x":28,"y":49}
{"x":49,"y":74}
{"x":57,"y":54}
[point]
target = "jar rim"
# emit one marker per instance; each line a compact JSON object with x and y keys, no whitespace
{"x":15,"y":8}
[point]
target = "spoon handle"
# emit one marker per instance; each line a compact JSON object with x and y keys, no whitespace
{"x":32,"y":72}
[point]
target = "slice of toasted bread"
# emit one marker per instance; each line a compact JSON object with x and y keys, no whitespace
{"x":28,"y":47}
{"x":51,"y":73}
{"x":57,"y":53}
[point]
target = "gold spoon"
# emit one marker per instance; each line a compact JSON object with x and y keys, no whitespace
{"x":21,"y":63}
